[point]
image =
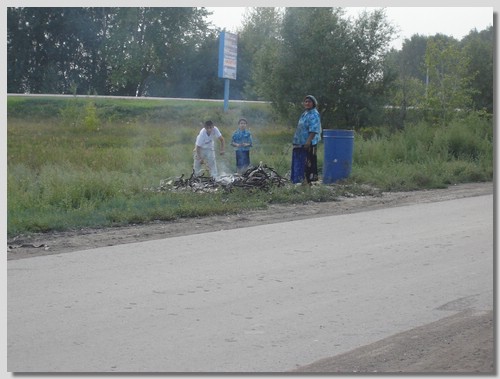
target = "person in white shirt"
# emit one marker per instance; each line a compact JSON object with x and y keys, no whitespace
{"x":204,"y":151}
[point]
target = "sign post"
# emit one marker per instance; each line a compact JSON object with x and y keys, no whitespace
{"x":228,"y":54}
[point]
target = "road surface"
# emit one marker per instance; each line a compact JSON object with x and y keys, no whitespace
{"x":268,"y":298}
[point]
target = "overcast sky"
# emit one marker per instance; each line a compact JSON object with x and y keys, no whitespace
{"x":451,"y":21}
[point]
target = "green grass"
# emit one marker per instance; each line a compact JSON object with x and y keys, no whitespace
{"x":424,"y":156}
{"x":77,"y":162}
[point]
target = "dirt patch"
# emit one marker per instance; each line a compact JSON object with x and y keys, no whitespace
{"x":64,"y":242}
{"x":461,"y":344}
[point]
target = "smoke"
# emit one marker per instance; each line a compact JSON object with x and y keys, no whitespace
{"x":223,"y":165}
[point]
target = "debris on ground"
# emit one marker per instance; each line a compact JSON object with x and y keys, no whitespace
{"x":260,"y":177}
{"x":36,"y":246}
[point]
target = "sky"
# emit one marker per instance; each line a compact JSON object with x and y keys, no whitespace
{"x":427,"y":21}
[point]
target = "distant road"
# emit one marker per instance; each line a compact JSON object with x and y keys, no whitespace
{"x":267,"y":298}
{"x":134,"y":98}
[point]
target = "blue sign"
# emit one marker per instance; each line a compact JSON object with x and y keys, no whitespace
{"x":228,"y":54}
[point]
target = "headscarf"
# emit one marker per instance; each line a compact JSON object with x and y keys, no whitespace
{"x":313,"y":99}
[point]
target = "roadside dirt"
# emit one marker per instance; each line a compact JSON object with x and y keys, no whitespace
{"x":27,"y":246}
{"x":459,"y":344}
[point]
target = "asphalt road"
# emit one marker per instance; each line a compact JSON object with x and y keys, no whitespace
{"x":267,"y":298}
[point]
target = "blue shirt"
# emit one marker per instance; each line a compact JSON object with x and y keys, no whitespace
{"x":242,"y":136}
{"x":309,"y":122}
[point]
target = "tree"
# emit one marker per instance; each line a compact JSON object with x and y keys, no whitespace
{"x":449,"y":87}
{"x":146,"y":45}
{"x":54,"y":50}
{"x":364,"y":89}
{"x":259,"y":35}
{"x":120,"y":51}
{"x":479,"y":47}
{"x":18,"y":49}
{"x":197,"y":76}
{"x":300,"y":61}
{"x":407,"y":68}
{"x":324,"y":54}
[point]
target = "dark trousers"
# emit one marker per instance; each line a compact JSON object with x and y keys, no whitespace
{"x":242,"y":160}
{"x":311,"y":169}
{"x":304,"y":164}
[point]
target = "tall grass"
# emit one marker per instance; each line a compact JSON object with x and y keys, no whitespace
{"x":426,"y":156}
{"x":92,"y":163}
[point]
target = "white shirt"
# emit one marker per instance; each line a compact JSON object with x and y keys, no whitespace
{"x":206,"y":141}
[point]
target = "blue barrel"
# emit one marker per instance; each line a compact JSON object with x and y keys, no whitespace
{"x":299,"y":155}
{"x":337,"y":161}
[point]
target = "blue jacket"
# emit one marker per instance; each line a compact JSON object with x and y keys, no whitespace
{"x":309,"y":122}
{"x":242,"y":136}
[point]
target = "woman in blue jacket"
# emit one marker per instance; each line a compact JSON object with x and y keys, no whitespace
{"x":305,"y":141}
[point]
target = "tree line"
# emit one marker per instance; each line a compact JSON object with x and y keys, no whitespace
{"x":283,"y":54}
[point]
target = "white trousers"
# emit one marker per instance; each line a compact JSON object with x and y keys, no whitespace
{"x":208,"y":157}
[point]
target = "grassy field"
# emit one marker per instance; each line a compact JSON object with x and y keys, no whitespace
{"x":82,"y":162}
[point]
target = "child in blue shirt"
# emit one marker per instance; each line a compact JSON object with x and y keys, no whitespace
{"x":242,"y":141}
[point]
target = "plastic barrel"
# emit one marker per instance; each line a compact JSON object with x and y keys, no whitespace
{"x":299,"y":156}
{"x":337,"y":160}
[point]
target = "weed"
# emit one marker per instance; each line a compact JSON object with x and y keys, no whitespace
{"x":92,"y":163}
